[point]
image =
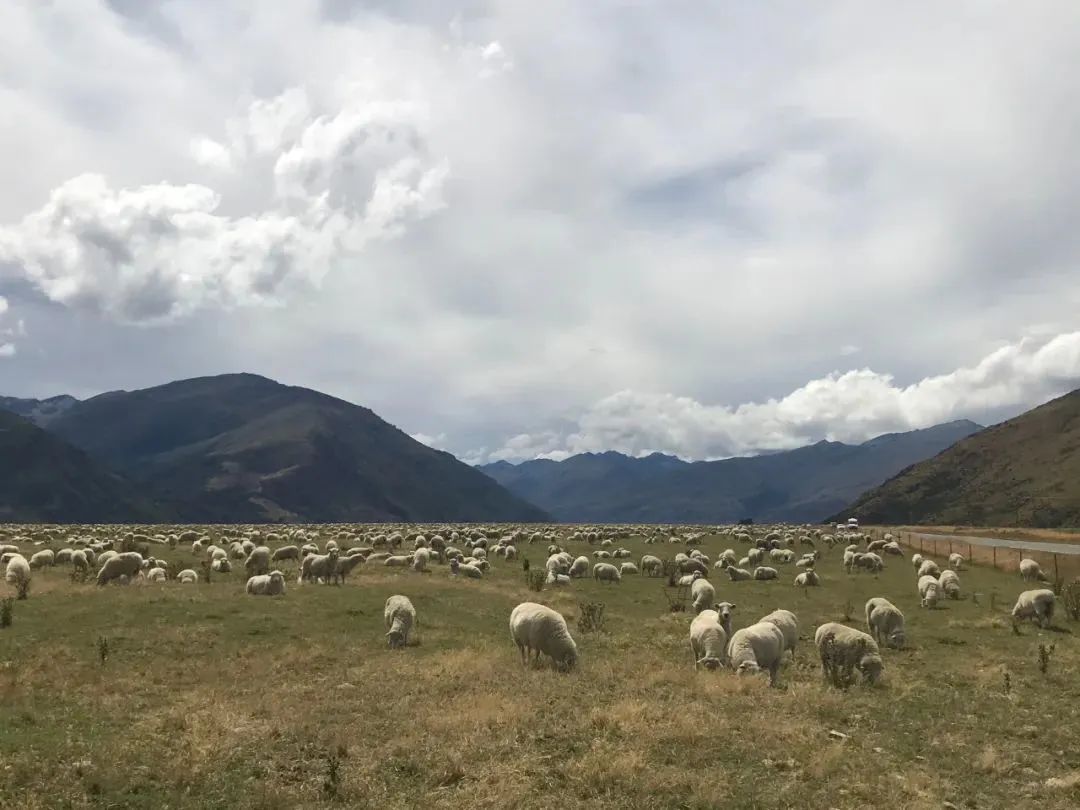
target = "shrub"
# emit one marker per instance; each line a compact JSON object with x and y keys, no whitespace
{"x":7,"y":611}
{"x":1044,"y":657}
{"x":22,"y":588}
{"x":535,"y":580}
{"x":1070,"y":600}
{"x":591,"y":619}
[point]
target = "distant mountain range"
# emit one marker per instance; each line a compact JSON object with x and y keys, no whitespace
{"x":803,"y":485}
{"x":1025,"y":471}
{"x":240,"y":448}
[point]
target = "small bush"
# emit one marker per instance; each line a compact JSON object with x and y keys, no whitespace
{"x":1044,"y":657}
{"x":7,"y":611}
{"x":22,"y":588}
{"x":206,"y":569}
{"x":535,"y":580}
{"x":332,"y":781}
{"x":591,"y":619}
{"x":1070,"y":600}
{"x":103,"y":649}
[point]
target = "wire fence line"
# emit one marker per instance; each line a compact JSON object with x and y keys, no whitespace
{"x":1060,"y":563}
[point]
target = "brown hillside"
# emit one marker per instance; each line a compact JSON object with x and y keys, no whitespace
{"x":1025,"y":471}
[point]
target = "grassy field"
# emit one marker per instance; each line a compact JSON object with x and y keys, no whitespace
{"x":208,"y":698}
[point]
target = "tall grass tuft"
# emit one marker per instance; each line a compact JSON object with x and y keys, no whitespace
{"x":535,"y":580}
{"x":591,"y":619}
{"x":1045,"y":654}
{"x":7,"y":611}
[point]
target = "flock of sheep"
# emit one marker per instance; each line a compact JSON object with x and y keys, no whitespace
{"x":124,"y":557}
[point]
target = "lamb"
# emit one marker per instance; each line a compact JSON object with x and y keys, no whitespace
{"x":468,"y":570}
{"x":708,"y":640}
{"x":126,"y":564}
{"x":807,"y":579}
{"x":848,"y":649}
{"x":929,"y":591}
{"x":539,"y":630}
{"x":950,"y":584}
{"x":738,"y":574}
{"x":1029,"y":570}
{"x":652,"y":566}
{"x":885,"y":622}
{"x":286,"y":553}
{"x":703,"y":594}
{"x":956,"y":561}
{"x":43,"y":558}
{"x":344,"y":566}
{"x":1035,"y":605}
{"x":258,"y":561}
{"x":580,"y":567}
{"x":18,"y":569}
{"x":789,"y":627}
{"x":763,"y":572}
{"x":756,"y":648}
{"x":605,"y":572}
{"x":272,"y":584}
{"x":929,"y":568}
{"x":399,"y":615}
{"x":318,"y":567}
{"x":187,"y":577}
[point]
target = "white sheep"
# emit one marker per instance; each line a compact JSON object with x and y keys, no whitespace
{"x":929,"y":591}
{"x":258,"y":561}
{"x":605,"y":572}
{"x":421,"y":557}
{"x":764,"y":572}
{"x":917,"y":561}
{"x":401,"y":561}
{"x":399,"y":615}
{"x":893,"y":548}
{"x":807,"y":579}
{"x":43,"y":558}
{"x":579,"y":568}
{"x":470,"y":571}
{"x":885,"y":622}
{"x":756,"y":648}
{"x":949,"y":582}
{"x":343,"y":566}
{"x":221,"y":565}
{"x":1030,"y":570}
{"x":156,"y":575}
{"x":628,"y":568}
{"x":272,"y":584}
{"x":708,"y":640}
{"x":187,"y":577}
{"x":18,"y":569}
{"x":318,"y":567}
{"x":789,"y":627}
{"x":956,"y":561}
{"x":80,"y":560}
{"x":848,"y":649}
{"x":1035,"y":605}
{"x":738,"y":574}
{"x":285,"y":553}
{"x":869,"y":562}
{"x":702,"y":594}
{"x":929,"y":568}
{"x":127,"y":564}
{"x":539,"y":630}
{"x":652,"y":566}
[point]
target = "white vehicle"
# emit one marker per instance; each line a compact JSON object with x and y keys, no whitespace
{"x":853,"y":523}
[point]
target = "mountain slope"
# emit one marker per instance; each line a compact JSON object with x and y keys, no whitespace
{"x":45,"y":480}
{"x":805,"y":484}
{"x":1021,"y":472}
{"x":240,"y":447}
{"x":38,"y":411}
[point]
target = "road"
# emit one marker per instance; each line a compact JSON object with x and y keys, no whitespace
{"x":992,"y":542}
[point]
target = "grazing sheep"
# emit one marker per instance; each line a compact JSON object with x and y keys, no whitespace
{"x":580,"y":568}
{"x":929,"y":568}
{"x":344,"y":566}
{"x":272,"y":584}
{"x":1035,"y":605}
{"x":652,"y":566}
{"x":628,"y":568}
{"x":703,"y":594}
{"x":869,"y":562}
{"x":258,"y":561}
{"x":400,"y":561}
{"x":18,"y":569}
{"x":917,"y":561}
{"x":187,"y":577}
{"x":318,"y":567}
{"x":755,"y":555}
{"x":156,"y":575}
{"x":399,"y":615}
{"x":708,"y":640}
{"x":929,"y":591}
{"x":763,"y":572}
{"x":738,"y":574}
{"x":605,"y":572}
{"x":691,"y":565}
{"x":127,"y":564}
{"x":807,"y":579}
{"x":756,"y":648}
{"x":221,"y":565}
{"x":539,"y":630}
{"x":466,"y":569}
{"x":286,"y":553}
{"x":421,"y":557}
{"x":950,"y":584}
{"x":42,"y":558}
{"x":1030,"y":570}
{"x":885,"y":622}
{"x":789,"y":627}
{"x":893,"y":548}
{"x":848,"y":649}
{"x":80,"y":559}
{"x":956,"y":561}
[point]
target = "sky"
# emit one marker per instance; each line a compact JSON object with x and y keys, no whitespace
{"x":518,"y":230}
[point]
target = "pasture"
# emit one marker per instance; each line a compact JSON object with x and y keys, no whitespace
{"x":157,"y":695}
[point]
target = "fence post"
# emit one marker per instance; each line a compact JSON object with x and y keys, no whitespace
{"x":994,"y":549}
{"x":950,"y":547}
{"x":1056,"y":577}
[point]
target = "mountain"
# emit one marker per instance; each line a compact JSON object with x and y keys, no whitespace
{"x":243,"y":448}
{"x":799,"y":485}
{"x":45,"y":480}
{"x":1021,"y":472}
{"x":38,"y":411}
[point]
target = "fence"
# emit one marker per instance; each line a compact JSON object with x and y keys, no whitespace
{"x":1004,"y":555}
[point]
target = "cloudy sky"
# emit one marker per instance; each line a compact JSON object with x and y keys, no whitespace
{"x":518,"y":229}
